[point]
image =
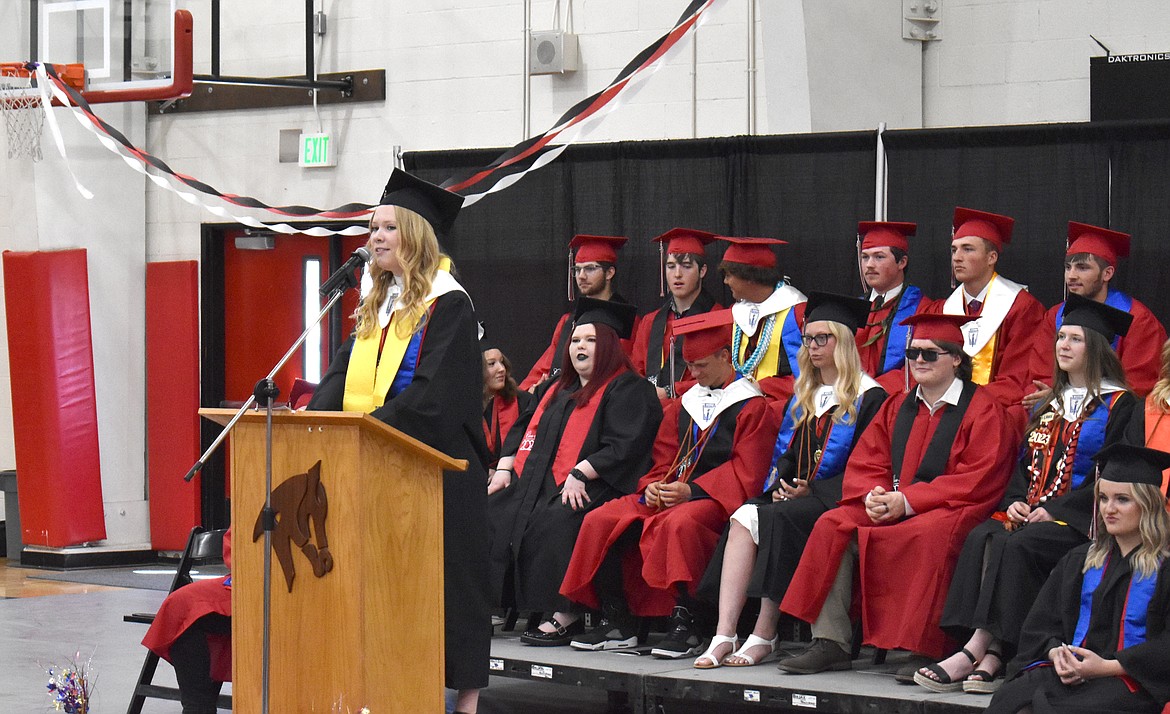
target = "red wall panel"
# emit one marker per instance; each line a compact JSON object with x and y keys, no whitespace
{"x":172,"y":396}
{"x":54,"y":409}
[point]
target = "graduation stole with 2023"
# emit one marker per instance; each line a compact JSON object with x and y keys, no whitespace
{"x":382,"y":364}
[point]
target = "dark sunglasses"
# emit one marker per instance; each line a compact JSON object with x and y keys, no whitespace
{"x":913,"y":353}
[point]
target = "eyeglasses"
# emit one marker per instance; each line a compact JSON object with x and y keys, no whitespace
{"x":586,"y":269}
{"x":913,"y":353}
{"x":821,"y":339}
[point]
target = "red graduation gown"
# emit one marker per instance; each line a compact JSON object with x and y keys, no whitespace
{"x":184,"y":606}
{"x":677,"y":542}
{"x":904,"y":567}
{"x":1140,"y":351}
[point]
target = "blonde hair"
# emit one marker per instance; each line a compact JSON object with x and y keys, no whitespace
{"x":419,"y":256}
{"x":1160,"y":394}
{"x":847,"y":386}
{"x":1154,"y":528}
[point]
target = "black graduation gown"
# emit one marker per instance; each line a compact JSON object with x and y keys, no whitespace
{"x":1053,"y":620}
{"x":617,"y":445}
{"x":442,"y":408}
{"x":785,"y":525}
{"x":999,"y":572}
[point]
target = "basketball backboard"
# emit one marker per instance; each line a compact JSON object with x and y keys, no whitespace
{"x":122,"y":43}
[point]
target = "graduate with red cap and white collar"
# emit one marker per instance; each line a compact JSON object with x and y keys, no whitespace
{"x":883,"y":249}
{"x":1001,"y":336}
{"x":1090,"y":263}
{"x":684,"y":265}
{"x":768,"y":313}
{"x":710,"y":455}
{"x":592,"y":269}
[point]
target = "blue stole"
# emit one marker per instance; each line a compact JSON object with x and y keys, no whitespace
{"x":834,"y":452}
{"x":405,"y":374}
{"x":1114,"y":298}
{"x":790,"y":340}
{"x":1091,"y":439}
{"x":895,"y":353}
{"x":1137,"y":603}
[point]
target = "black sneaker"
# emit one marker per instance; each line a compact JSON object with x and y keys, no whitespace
{"x":682,"y":641}
{"x":608,"y":635}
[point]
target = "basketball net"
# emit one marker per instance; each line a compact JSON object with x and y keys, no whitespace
{"x":24,"y":117}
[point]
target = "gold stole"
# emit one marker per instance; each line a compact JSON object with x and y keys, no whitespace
{"x":981,"y":363}
{"x":770,"y":364}
{"x":370,"y":374}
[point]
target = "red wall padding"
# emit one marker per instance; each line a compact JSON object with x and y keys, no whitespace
{"x":172,"y":396}
{"x":54,"y":410}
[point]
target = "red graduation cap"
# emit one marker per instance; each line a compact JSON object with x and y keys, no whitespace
{"x":600,"y":249}
{"x":981,"y":224}
{"x":1101,"y":242}
{"x":685,"y":240}
{"x":892,"y":234}
{"x":751,"y":251}
{"x":705,"y":333}
{"x":937,"y":327}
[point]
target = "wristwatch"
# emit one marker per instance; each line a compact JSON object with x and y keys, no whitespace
{"x":579,"y":474}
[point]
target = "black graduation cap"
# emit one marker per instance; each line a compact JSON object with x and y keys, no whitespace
{"x":1123,"y":463}
{"x":846,"y":309}
{"x":618,"y":315}
{"x":438,"y":205}
{"x":1097,"y":316}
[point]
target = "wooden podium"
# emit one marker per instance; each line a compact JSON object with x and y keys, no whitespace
{"x":369,"y":631}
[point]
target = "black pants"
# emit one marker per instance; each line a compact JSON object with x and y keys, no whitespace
{"x":191,"y":659}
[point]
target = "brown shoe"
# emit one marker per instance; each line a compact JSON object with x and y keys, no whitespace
{"x":821,"y":656}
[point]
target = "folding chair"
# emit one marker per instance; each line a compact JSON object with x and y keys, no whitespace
{"x":203,"y":546}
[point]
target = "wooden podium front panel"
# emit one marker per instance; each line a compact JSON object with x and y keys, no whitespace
{"x":369,"y":632}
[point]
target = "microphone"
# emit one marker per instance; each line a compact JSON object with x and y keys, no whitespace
{"x":345,"y":277}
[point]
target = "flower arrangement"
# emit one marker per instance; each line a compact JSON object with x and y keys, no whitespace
{"x":71,"y":686}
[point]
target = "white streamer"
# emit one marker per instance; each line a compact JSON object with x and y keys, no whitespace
{"x":43,"y":85}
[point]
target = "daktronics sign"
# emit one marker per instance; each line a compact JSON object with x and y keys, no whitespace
{"x":1129,"y":86}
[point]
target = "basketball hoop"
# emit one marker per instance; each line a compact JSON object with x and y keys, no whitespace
{"x":24,"y":116}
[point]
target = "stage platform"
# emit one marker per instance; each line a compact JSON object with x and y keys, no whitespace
{"x":645,"y":683}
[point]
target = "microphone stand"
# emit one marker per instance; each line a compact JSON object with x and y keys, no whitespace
{"x":264,"y":392}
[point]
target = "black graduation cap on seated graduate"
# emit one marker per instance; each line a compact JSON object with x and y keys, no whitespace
{"x":1097,"y":316}
{"x":845,"y":309}
{"x":1124,"y":463}
{"x":618,"y":315}
{"x":434,"y":203}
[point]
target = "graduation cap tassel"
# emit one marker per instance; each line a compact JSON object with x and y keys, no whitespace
{"x":953,"y":285}
{"x":570,"y":283}
{"x":671,"y":360}
{"x":860,"y":269}
{"x":661,"y":270}
{"x":906,"y":363}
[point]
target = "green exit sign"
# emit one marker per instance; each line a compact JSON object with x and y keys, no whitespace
{"x":317,"y":150}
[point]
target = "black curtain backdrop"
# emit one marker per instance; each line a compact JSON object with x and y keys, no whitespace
{"x":511,"y":248}
{"x":810,"y":190}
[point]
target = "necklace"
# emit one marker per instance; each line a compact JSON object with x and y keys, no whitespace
{"x":749,"y":367}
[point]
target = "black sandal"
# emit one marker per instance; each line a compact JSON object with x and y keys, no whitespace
{"x":562,"y":635}
{"x":944,"y":683}
{"x":982,"y":681}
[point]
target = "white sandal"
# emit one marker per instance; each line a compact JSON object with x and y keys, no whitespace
{"x":750,"y":642}
{"x":709,"y":655}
